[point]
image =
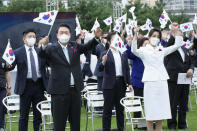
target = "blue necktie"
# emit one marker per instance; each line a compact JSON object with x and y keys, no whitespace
{"x":33,"y":66}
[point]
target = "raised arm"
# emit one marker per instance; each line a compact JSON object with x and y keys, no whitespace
{"x":92,"y":43}
{"x":178,"y":43}
{"x":134,"y":48}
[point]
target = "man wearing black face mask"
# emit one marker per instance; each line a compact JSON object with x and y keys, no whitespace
{"x":66,"y":80}
{"x":31,"y":79}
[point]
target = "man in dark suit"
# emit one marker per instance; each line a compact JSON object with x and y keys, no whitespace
{"x":178,"y":62}
{"x":66,"y":80}
{"x":99,"y":49}
{"x":31,"y":80}
{"x":5,"y":88}
{"x":116,"y":77}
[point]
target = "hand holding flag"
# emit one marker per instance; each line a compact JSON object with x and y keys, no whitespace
{"x":8,"y":55}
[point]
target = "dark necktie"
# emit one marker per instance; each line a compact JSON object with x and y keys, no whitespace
{"x":33,"y":66}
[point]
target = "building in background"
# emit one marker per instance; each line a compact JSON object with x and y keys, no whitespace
{"x":151,"y":3}
{"x":177,"y":6}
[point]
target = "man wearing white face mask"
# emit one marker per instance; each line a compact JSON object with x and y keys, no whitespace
{"x":66,"y":80}
{"x":31,"y":79}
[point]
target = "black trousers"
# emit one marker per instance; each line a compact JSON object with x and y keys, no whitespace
{"x":112,"y":98}
{"x":65,"y":105}
{"x":138,"y":92}
{"x":32,"y":95}
{"x":178,"y":102}
{"x":100,"y":82}
{"x":2,"y":108}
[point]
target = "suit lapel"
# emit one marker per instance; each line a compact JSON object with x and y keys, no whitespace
{"x":179,"y":55}
{"x":61,"y":53}
{"x":24,"y":53}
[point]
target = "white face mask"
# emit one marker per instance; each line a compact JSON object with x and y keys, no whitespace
{"x":31,"y":42}
{"x":154,"y":41}
{"x":104,"y":41}
{"x":64,"y":39}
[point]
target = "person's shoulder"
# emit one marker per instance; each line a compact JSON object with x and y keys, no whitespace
{"x":19,"y":49}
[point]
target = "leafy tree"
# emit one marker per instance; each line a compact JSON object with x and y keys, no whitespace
{"x":27,"y":6}
{"x":143,"y":11}
{"x":88,"y":11}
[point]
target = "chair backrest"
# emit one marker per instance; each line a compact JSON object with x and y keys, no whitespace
{"x":44,"y":107}
{"x":128,"y":93}
{"x":94,"y":98}
{"x":132,"y":104}
{"x":91,"y":87}
{"x":48,"y":96}
{"x":12,"y":103}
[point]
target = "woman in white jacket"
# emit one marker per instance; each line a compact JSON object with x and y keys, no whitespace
{"x":156,"y":96}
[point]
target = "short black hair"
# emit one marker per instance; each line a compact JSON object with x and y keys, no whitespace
{"x":25,"y":32}
{"x":63,"y":25}
{"x":141,"y":42}
{"x":77,"y":37}
{"x":155,"y":30}
{"x":110,"y":35}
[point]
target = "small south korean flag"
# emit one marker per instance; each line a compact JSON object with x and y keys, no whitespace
{"x":108,"y":21}
{"x":8,"y":55}
{"x":46,"y":17}
{"x":186,"y":27}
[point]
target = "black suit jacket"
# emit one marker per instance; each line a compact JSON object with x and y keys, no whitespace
{"x":109,"y":71}
{"x":22,"y":69}
{"x":174,"y":63}
{"x":61,"y":69}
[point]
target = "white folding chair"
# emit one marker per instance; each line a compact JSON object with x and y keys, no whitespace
{"x":94,"y":100}
{"x":91,"y":87}
{"x":47,"y":96}
{"x":128,"y":93}
{"x":131,"y":105}
{"x":45,"y":109}
{"x":12,"y":103}
{"x":193,"y":87}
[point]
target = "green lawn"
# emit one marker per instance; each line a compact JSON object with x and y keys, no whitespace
{"x":191,"y":118}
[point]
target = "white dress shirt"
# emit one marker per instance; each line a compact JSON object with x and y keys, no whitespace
{"x":118,"y":62}
{"x":29,"y":73}
{"x":182,"y":54}
{"x":65,"y":50}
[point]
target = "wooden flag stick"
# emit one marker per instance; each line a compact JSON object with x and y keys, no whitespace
{"x":50,"y":30}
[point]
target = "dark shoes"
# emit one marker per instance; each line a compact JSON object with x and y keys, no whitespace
{"x":172,"y":128}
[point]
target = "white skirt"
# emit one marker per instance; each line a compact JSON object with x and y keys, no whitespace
{"x":156,"y":100}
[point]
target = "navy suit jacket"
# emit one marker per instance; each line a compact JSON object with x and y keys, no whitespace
{"x":109,"y":71}
{"x":137,"y":69}
{"x":22,"y":69}
{"x":99,"y":50}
